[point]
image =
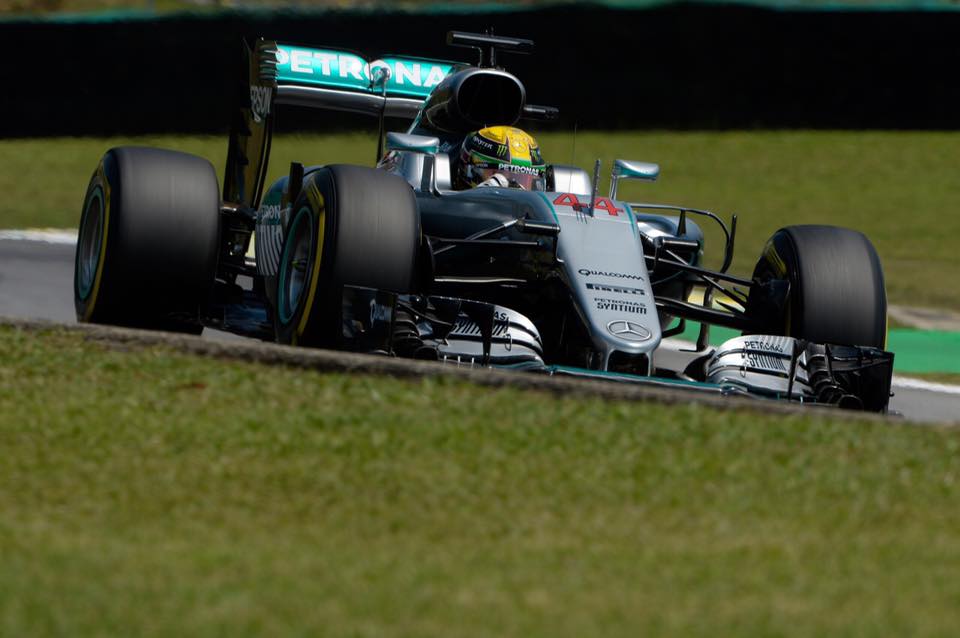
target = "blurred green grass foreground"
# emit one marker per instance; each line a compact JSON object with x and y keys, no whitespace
{"x":120,"y":7}
{"x":899,"y":188}
{"x":46,"y":7}
{"x":149,"y":493}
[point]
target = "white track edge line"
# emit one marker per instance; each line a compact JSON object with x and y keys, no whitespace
{"x":47,"y":235}
{"x":909,"y":383}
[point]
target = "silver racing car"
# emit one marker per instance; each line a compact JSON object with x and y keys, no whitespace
{"x":463,"y":245}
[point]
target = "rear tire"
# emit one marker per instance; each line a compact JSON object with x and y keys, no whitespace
{"x":148,"y":241}
{"x":837,"y":292}
{"x":350,"y":225}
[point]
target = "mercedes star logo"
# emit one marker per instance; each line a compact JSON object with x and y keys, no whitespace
{"x":628,"y":330}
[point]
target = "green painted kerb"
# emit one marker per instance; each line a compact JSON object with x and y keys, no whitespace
{"x":409,"y":77}
{"x":914,"y":350}
{"x":924,"y":351}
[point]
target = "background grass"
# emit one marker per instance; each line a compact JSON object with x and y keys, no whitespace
{"x":900,"y":188}
{"x":155,"y":494}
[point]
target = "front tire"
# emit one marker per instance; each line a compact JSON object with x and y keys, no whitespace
{"x":148,"y":241}
{"x":837,"y":293}
{"x":350,"y":225}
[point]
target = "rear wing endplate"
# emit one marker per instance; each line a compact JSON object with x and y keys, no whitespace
{"x":251,"y":127}
{"x":391,"y":86}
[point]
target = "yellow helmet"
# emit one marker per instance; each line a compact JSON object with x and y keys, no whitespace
{"x":506,"y":150}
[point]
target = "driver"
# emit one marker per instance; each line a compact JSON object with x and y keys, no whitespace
{"x":500,"y":156}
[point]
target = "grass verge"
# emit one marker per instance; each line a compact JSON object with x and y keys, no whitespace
{"x":154,"y":494}
{"x":897,"y":187}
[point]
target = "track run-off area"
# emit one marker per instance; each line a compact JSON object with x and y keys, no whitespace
{"x":36,"y":271}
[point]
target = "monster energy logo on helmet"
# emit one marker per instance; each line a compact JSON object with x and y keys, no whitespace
{"x":503,"y":150}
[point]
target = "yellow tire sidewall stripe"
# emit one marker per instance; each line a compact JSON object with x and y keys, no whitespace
{"x":318,"y":256}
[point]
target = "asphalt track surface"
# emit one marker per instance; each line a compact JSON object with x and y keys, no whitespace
{"x":36,"y":283}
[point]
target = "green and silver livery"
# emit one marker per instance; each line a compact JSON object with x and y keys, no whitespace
{"x":400,"y":76}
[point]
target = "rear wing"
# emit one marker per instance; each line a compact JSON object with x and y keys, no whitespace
{"x":392,"y":85}
{"x":329,"y":79}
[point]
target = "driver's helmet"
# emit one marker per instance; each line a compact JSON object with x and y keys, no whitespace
{"x":500,"y":150}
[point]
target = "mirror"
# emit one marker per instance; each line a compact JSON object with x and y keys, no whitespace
{"x":626,"y":169}
{"x":413,"y":143}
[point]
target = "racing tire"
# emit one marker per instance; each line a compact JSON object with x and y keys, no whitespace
{"x":148,"y":241}
{"x":837,"y":293}
{"x":350,"y":225}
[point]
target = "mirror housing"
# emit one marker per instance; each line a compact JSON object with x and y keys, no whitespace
{"x":626,"y":169}
{"x":413,"y":143}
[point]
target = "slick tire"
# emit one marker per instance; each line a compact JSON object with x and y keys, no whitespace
{"x":148,"y":241}
{"x":837,"y":293}
{"x":350,"y":225}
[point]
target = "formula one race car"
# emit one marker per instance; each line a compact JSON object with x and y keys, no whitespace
{"x":537,"y":271}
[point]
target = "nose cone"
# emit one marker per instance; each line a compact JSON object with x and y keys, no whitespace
{"x":604,"y":264}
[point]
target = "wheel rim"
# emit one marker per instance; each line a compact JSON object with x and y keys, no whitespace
{"x":295,"y":265}
{"x":88,"y":247}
